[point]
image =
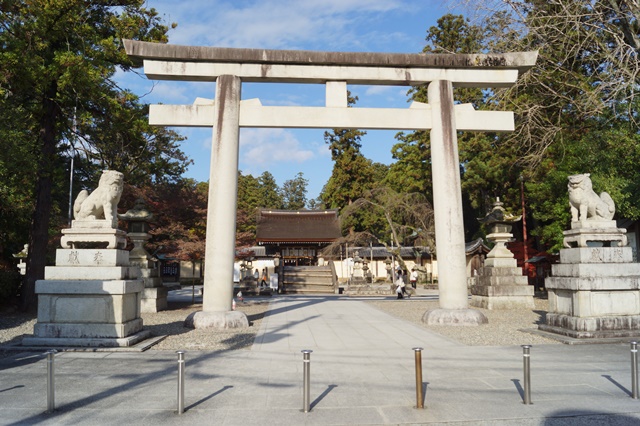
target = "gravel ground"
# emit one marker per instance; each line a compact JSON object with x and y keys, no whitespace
{"x":503,"y":328}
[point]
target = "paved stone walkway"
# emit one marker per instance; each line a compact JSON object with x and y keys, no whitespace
{"x":362,"y":373}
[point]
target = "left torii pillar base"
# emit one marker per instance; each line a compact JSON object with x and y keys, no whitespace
{"x":218,"y":320}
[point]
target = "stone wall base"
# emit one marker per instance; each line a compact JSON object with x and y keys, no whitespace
{"x":592,"y":327}
{"x":87,"y":342}
{"x":503,"y":302}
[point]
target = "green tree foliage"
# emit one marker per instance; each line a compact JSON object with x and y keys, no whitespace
{"x":484,"y":175}
{"x":294,"y":193}
{"x":116,"y":135}
{"x":352,"y":172}
{"x":270,"y":195}
{"x":57,"y":56}
{"x":576,"y":109}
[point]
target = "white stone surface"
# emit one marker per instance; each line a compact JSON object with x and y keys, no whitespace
{"x":585,"y":204}
{"x":87,"y":342}
{"x":102,"y":203}
{"x":461,"y":317}
{"x":501,"y":262}
{"x":503,"y":302}
{"x":91,"y":257}
{"x":90,"y":272}
{"x":88,"y":309}
{"x":252,"y":115}
{"x":153,"y":299}
{"x":597,"y":270}
{"x":597,"y":255}
{"x":371,"y":75}
{"x":583,"y":235}
{"x":86,"y":331}
{"x":586,"y":304}
{"x":217,"y":320}
{"x":599,"y":283}
{"x":223,"y":196}
{"x":110,"y":237}
{"x":447,"y":199}
{"x":89,"y":287}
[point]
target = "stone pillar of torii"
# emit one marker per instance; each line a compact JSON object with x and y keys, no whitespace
{"x":230,"y":67}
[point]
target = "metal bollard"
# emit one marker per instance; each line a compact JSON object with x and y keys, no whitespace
{"x":180,"y":382}
{"x":51,"y":397}
{"x":306,"y":391}
{"x":634,"y":370}
{"x":527,"y":373}
{"x":418,"y":355}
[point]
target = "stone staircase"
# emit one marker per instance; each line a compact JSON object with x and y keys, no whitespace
{"x":309,"y":280}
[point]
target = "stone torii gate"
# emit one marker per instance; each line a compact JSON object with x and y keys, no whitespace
{"x":230,"y":67}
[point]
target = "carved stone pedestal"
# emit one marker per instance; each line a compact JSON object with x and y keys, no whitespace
{"x":91,"y":298}
{"x":594,"y":293}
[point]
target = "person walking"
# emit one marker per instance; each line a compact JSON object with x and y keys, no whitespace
{"x":400,"y":290}
{"x":413,"y":278}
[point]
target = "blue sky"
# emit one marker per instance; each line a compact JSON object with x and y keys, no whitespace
{"x":329,"y":25}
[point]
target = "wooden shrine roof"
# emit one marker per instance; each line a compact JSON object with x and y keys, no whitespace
{"x":297,"y":226}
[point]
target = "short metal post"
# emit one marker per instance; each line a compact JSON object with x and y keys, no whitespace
{"x":527,"y":373}
{"x":419,"y":397}
{"x":180,"y":382}
{"x":306,"y":388}
{"x":51,"y":397}
{"x":634,"y":370}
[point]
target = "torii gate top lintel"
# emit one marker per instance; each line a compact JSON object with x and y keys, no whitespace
{"x":176,"y":62}
{"x":159,"y":51}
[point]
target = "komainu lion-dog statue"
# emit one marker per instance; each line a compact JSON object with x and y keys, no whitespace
{"x":585,"y":203}
{"x":102,"y":203}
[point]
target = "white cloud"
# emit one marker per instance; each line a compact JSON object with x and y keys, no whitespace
{"x":274,"y":24}
{"x":378,"y":90}
{"x":268,"y":146}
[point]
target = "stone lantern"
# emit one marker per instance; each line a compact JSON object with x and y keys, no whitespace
{"x":154,"y":295}
{"x":500,"y":223}
{"x":500,"y":283}
{"x":357,"y":267}
{"x":138,"y":219}
{"x":387,"y":266}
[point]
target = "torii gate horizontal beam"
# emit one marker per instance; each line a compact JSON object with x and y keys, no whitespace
{"x":252,"y":114}
{"x":391,"y":76}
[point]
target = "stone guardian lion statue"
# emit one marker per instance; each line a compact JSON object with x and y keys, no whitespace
{"x":585,"y":203}
{"x":102,"y":203}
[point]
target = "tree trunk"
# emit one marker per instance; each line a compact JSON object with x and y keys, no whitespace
{"x":39,"y":234}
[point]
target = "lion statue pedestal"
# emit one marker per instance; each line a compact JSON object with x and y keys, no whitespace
{"x":593,"y":291}
{"x":91,"y":298}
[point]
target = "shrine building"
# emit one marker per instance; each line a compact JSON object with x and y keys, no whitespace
{"x":297,"y":236}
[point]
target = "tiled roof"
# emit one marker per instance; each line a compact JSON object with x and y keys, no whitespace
{"x":297,"y":226}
